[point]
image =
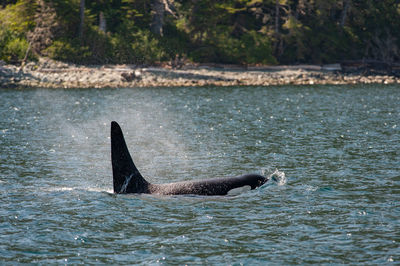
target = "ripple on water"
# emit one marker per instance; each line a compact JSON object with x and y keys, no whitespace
{"x":333,"y":153}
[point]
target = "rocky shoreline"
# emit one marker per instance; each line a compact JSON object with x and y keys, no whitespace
{"x":47,"y":73}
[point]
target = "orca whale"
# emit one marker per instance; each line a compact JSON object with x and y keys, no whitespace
{"x":127,"y":178}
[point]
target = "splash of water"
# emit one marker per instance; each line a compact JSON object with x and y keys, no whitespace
{"x":275,"y":175}
{"x":79,"y":134}
{"x":279,"y":177}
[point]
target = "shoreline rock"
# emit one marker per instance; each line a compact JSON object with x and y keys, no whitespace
{"x":52,"y":74}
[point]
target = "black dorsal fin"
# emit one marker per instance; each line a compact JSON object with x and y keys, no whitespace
{"x":126,"y":177}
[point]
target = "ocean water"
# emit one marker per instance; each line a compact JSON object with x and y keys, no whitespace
{"x":334,"y":152}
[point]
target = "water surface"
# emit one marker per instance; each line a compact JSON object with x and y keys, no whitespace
{"x":338,"y":147}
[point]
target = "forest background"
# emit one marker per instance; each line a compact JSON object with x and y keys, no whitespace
{"x":246,"y":32}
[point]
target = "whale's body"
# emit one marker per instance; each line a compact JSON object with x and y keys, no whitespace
{"x":127,"y":178}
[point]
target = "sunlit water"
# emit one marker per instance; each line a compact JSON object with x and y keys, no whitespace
{"x":334,"y":153}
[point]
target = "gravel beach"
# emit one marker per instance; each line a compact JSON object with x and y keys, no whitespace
{"x":52,"y":74}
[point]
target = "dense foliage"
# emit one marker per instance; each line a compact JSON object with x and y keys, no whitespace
{"x":225,"y":31}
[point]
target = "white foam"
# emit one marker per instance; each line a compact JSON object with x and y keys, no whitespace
{"x":279,"y":177}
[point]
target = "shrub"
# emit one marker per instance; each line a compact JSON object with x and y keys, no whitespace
{"x":249,"y":48}
{"x":15,"y":21}
{"x":13,"y":50}
{"x":68,"y":51}
{"x":139,"y":47}
{"x":256,"y":48}
{"x":146,"y":46}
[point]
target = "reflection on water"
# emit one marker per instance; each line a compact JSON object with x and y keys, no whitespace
{"x":332,"y":151}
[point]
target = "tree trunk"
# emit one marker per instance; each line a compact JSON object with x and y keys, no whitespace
{"x":299,"y":9}
{"x":277,"y":16}
{"x":82,"y":18}
{"x":102,"y":22}
{"x":344,"y":13}
{"x":158,"y":10}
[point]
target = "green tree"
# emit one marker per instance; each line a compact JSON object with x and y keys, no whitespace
{"x":15,"y":21}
